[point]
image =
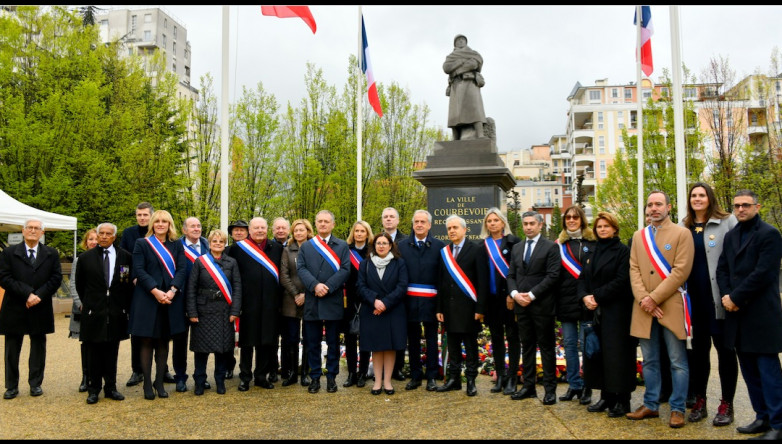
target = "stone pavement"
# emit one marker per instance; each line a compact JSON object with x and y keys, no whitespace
{"x":292,"y":413}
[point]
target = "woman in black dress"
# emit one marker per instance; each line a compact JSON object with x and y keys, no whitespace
{"x":358,"y":241}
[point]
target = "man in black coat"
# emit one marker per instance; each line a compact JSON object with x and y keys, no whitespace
{"x":105,"y":288}
{"x":532,"y":279}
{"x":390,"y":221}
{"x":748,"y":277}
{"x":30,"y":273}
{"x":461,"y":302}
{"x":421,"y":253}
{"x":259,"y":261}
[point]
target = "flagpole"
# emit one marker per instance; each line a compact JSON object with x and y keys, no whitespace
{"x":678,"y":116}
{"x":359,"y":120}
{"x":224,"y":130}
{"x":640,"y":122}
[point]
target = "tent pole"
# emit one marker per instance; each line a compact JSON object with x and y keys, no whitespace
{"x":74,"y":244}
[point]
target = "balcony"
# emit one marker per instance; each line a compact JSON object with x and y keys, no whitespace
{"x":756,"y":129}
{"x":754,"y":104}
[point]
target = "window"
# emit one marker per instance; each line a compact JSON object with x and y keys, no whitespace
{"x":715,"y":115}
{"x":164,"y":41}
{"x":664,"y":92}
{"x":173,"y":67}
{"x":523,"y":192}
{"x":594,"y":95}
{"x":133,"y":21}
{"x":556,"y":191}
{"x":690,"y":93}
{"x":599,"y":120}
{"x":104,"y":22}
{"x":147,"y":18}
{"x":174,"y":31}
{"x":647,"y":93}
{"x":147,"y":36}
{"x":165,"y":23}
{"x":187,"y":54}
{"x":620,"y":116}
{"x":602,"y":169}
{"x":173,"y":47}
{"x":614,"y":92}
{"x":601,"y":143}
{"x":628,"y":94}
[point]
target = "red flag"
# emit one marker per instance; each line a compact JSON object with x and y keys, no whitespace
{"x":366,"y":67}
{"x":646,"y":39}
{"x":302,"y":12}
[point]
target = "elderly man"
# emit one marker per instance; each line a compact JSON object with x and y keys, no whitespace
{"x":30,"y":273}
{"x":660,"y":261}
{"x":105,"y":288}
{"x":238,"y":230}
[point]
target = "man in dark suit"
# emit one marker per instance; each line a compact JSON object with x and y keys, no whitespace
{"x":748,"y":277}
{"x":421,"y":253}
{"x":105,"y":288}
{"x":390,"y":221}
{"x":30,"y":273}
{"x":323,"y":265}
{"x":534,"y":270}
{"x":259,"y":261}
{"x":461,"y":302}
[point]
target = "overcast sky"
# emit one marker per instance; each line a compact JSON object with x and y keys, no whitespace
{"x":533,"y":55}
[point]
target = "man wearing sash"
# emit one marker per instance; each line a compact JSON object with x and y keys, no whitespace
{"x":660,"y":261}
{"x":422,"y":256}
{"x":323,"y":266}
{"x":390,"y":219}
{"x":532,"y":281}
{"x":461,"y":302}
{"x":259,"y":262}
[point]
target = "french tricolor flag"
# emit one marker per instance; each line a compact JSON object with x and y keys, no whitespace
{"x":646,"y":39}
{"x":366,"y":67}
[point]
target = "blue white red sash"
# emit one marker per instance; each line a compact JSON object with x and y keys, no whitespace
{"x":496,"y":257}
{"x":218,"y":276}
{"x":664,"y":269}
{"x":190,"y":252}
{"x":568,"y":261}
{"x":355,"y":258}
{"x":162,"y":253}
{"x":321,"y":247}
{"x":252,"y":249}
{"x":457,"y":273}
{"x":421,"y":290}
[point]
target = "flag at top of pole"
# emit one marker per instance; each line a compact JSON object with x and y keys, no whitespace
{"x":646,"y":39}
{"x":302,"y":12}
{"x":366,"y":67}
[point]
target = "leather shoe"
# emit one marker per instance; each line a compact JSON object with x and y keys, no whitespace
{"x":413,"y":384}
{"x":11,"y":394}
{"x":220,"y":388}
{"x":398,"y":375}
{"x":498,"y":384}
{"x":306,"y":381}
{"x":724,"y":414}
{"x":244,"y":386}
{"x":135,"y":379}
{"x":523,"y":394}
{"x":771,"y":435}
{"x":550,"y":398}
{"x":619,"y":410}
{"x":293,"y":378}
{"x":510,"y":386}
{"x":698,"y":411}
{"x":472,"y":390}
{"x":376,"y":391}
{"x":168,"y":378}
{"x":207,"y":385}
{"x":314,"y":386}
{"x":264,"y":383}
{"x":677,"y":420}
{"x":757,"y":426}
{"x":361,"y":380}
{"x":599,"y":406}
{"x":571,"y":393}
{"x":451,"y":384}
{"x":83,"y":385}
{"x":586,"y":397}
{"x":92,"y":398}
{"x":36,"y":391}
{"x":431,"y":385}
{"x":115,"y":395}
{"x":351,"y":380}
{"x":229,"y":374}
{"x":273,"y":377}
{"x":181,"y":386}
{"x":643,"y":412}
{"x":389,"y":391}
{"x":331,"y":384}
{"x":198,"y":390}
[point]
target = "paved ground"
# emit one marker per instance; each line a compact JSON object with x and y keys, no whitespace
{"x":292,"y":413}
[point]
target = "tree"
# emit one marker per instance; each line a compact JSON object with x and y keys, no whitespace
{"x":514,"y":205}
{"x":556,"y":223}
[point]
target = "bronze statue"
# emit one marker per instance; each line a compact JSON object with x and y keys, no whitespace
{"x":465,"y":109}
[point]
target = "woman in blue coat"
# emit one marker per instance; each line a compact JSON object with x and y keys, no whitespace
{"x":157,"y":310}
{"x":382,"y":286}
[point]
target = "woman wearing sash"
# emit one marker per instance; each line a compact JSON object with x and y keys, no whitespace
{"x":293,"y":305}
{"x":576,"y":243}
{"x":382,"y":286}
{"x":157,"y":310}
{"x":358,"y":242}
{"x":708,"y":224}
{"x":214,"y":302}
{"x":498,"y":243}
{"x":604,"y":287}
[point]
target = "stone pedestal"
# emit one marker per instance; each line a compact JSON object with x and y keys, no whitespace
{"x":466,"y":178}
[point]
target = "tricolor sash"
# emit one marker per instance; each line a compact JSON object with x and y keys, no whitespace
{"x":218,"y":276}
{"x":162,"y":253}
{"x":256,"y":253}
{"x":190,"y":252}
{"x":664,"y":269}
{"x":457,"y":273}
{"x":355,"y":258}
{"x":496,"y":257}
{"x":328,"y":254}
{"x":568,"y":261}
{"x":421,"y":290}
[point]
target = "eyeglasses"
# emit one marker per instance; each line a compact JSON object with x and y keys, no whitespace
{"x":382,"y":244}
{"x":745,"y":206}
{"x":33,"y":228}
{"x":572,"y":217}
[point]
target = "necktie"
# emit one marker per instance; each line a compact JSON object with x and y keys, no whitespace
{"x":420,"y":244}
{"x":455,"y":251}
{"x":32,"y":255}
{"x":106,"y":273}
{"x":528,"y":252}
{"x":197,"y":248}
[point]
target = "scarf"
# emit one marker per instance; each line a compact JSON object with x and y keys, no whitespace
{"x":381,"y":263}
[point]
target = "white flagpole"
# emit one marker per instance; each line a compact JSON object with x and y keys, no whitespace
{"x":678,"y":116}
{"x":359,"y":119}
{"x":640,"y":122}
{"x":224,"y":124}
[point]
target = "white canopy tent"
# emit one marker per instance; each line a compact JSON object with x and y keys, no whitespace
{"x":13,"y":214}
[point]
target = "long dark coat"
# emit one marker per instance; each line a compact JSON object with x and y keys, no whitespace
{"x":261,"y":296}
{"x":313,"y":269}
{"x":458,"y":309}
{"x":387,"y":331}
{"x":147,"y":315}
{"x":213,"y":333}
{"x":607,"y":276}
{"x":496,"y":308}
{"x":423,"y":267}
{"x":104,"y":313}
{"x":570,"y":308}
{"x":19,"y":278}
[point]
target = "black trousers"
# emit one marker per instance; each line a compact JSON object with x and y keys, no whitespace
{"x":179,"y":353}
{"x":135,"y":354}
{"x":263,"y":362}
{"x":500,"y":329}
{"x":700,"y":364}
{"x":414,"y":349}
{"x":200,"y":360}
{"x":455,"y":341}
{"x":538,"y":332}
{"x":36,"y":363}
{"x":101,"y":365}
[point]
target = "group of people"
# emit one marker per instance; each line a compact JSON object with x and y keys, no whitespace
{"x":676,"y":289}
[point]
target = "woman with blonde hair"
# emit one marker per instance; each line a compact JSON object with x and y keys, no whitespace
{"x":358,"y":241}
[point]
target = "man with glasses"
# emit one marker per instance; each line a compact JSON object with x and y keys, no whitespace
{"x":748,"y":277}
{"x":30,"y":273}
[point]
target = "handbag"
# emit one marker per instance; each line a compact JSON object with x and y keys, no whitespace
{"x":591,"y":340}
{"x":354,"y":325}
